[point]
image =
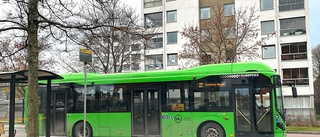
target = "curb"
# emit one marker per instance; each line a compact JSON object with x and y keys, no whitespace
{"x":303,"y":132}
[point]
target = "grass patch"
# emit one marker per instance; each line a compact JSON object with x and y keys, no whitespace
{"x":298,"y":128}
{"x":318,"y":117}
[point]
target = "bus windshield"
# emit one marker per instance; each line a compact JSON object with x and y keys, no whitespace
{"x":279,"y":100}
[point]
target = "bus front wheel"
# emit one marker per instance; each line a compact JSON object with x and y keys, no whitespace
{"x":78,"y":130}
{"x":211,"y":129}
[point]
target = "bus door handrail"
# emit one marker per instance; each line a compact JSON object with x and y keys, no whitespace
{"x":243,"y":116}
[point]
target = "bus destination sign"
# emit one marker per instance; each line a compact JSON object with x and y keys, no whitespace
{"x":205,"y":85}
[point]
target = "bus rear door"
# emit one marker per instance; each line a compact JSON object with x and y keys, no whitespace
{"x":58,"y":112}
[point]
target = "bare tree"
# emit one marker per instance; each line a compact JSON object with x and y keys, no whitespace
{"x":316,"y":61}
{"x":224,"y":38}
{"x":13,"y":56}
{"x":316,"y":72}
{"x":54,"y":19}
{"x":112,"y":45}
{"x":116,"y":47}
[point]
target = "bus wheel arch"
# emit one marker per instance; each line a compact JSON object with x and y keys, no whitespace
{"x":211,"y":129}
{"x":77,"y":129}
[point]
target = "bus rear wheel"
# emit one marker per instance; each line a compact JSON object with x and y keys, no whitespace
{"x":78,"y":130}
{"x":211,"y":129}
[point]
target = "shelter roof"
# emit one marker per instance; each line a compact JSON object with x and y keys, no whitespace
{"x":22,"y":76}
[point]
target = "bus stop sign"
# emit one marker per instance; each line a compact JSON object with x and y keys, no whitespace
{"x":85,"y":55}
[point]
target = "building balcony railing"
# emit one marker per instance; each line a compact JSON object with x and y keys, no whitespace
{"x":153,"y":66}
{"x":155,"y":45}
{"x":296,"y":81}
{"x":295,"y":56}
{"x":287,"y":32}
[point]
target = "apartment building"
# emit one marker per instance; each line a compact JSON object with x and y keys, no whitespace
{"x":288,"y":51}
{"x":169,"y":16}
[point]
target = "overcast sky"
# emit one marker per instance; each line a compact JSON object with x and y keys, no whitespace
{"x":314,"y":6}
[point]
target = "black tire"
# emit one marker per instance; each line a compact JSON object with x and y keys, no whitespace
{"x":78,"y":130}
{"x":211,"y":129}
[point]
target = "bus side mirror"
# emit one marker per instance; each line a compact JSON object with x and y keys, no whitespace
{"x":294,"y":92}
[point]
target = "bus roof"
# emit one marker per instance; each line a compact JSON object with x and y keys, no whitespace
{"x":165,"y":76}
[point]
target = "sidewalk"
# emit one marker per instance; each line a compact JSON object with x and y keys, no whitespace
{"x":18,"y":127}
{"x":20,"y":131}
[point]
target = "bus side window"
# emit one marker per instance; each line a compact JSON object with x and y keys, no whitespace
{"x":176,"y":97}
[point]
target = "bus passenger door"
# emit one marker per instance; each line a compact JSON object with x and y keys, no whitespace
{"x":146,"y":113}
{"x":243,"y":113}
{"x":58,"y":113}
{"x":252,"y":111}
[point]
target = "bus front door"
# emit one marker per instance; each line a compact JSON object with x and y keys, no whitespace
{"x":146,"y":113}
{"x":252,"y":112}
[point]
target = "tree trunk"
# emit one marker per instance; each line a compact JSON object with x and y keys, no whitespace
{"x":33,"y":52}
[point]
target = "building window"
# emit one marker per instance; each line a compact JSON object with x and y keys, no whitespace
{"x":172,"y":59}
{"x":135,"y":47}
{"x":172,"y":37}
{"x":294,"y":51}
{"x":205,"y":59}
{"x":154,"y":62}
{"x":267,"y":27}
{"x":205,"y":35}
{"x":135,"y":66}
{"x":152,"y":3}
{"x":135,"y":57}
{"x":285,"y":5}
{"x":126,"y":67}
{"x":205,"y":13}
{"x":228,"y":9}
{"x":298,"y":76}
{"x":292,"y":26}
{"x":155,"y":42}
{"x":171,"y":16}
{"x":153,"y":20}
{"x":266,"y":4}
{"x":230,"y":54}
{"x":268,"y":52}
{"x":127,"y":48}
{"x":230,"y":32}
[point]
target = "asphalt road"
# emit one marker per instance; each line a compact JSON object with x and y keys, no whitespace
{"x":21,"y":133}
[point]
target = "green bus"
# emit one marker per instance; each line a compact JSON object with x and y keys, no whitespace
{"x":218,"y":100}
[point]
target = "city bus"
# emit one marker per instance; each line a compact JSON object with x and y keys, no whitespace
{"x":218,"y":100}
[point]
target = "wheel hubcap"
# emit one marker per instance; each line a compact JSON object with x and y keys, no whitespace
{"x":212,"y":132}
{"x":80,"y":133}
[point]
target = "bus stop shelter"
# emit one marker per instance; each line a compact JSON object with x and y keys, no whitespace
{"x":22,"y":77}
